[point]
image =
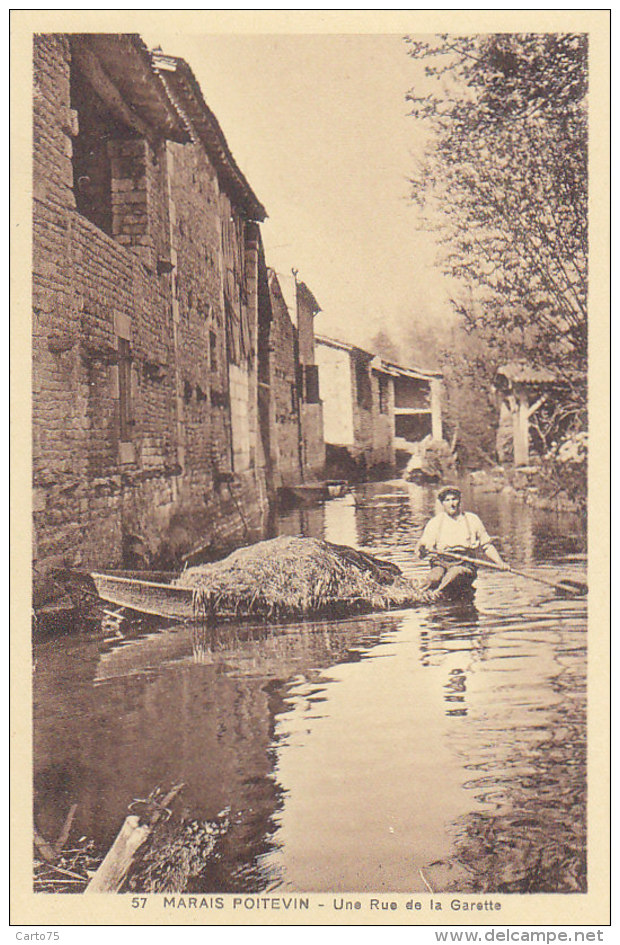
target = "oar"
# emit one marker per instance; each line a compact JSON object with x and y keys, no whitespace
{"x":568,"y":587}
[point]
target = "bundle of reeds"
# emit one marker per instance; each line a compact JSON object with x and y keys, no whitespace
{"x":296,"y":577}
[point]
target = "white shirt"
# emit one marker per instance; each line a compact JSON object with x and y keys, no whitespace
{"x":444,"y":533}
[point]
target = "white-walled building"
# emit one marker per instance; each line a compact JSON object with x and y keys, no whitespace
{"x":372,"y":408}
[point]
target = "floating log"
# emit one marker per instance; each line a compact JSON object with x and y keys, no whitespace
{"x":115,"y":866}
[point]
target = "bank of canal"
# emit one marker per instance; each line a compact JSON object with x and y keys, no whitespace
{"x":438,"y":748}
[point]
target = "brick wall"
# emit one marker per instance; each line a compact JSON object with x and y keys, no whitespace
{"x":131,"y":419}
{"x":282,"y":340}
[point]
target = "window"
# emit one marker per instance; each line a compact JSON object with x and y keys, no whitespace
{"x":124,"y":389}
{"x":384,"y":394}
{"x":213,"y":351}
{"x":312,"y":383}
{"x":362,"y":382}
{"x":108,"y":145}
{"x":308,"y":383}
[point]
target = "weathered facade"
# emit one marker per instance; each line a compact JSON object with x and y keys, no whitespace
{"x":310,"y":403}
{"x":287,"y":435}
{"x":297,"y":444}
{"x":147,"y":312}
{"x":373,"y":408}
{"x":417,"y":405}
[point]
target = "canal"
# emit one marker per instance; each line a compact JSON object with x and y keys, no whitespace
{"x":436,"y":749}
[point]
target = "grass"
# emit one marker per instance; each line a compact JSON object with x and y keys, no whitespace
{"x":290,"y":577}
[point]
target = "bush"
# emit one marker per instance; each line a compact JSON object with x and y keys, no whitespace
{"x":565,"y":469}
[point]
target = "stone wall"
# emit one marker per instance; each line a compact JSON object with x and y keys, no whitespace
{"x":313,"y":455}
{"x":308,"y":386}
{"x":383,"y":419}
{"x":358,"y":409}
{"x":131,"y":403}
{"x":362,"y":401}
{"x":283,"y":343}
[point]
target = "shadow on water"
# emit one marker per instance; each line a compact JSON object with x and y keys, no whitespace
{"x":440,"y":748}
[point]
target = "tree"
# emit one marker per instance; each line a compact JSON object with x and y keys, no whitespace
{"x":503,"y":181}
{"x":383,"y":345}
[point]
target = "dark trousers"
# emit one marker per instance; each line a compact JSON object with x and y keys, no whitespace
{"x":441,"y":566}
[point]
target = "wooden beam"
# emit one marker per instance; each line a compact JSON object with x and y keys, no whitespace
{"x":538,"y":404}
{"x":114,"y":868}
{"x":92,"y":70}
{"x":521,"y":430}
{"x":436,"y":424}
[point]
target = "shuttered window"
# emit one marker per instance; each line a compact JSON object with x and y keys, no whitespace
{"x":124,"y":389}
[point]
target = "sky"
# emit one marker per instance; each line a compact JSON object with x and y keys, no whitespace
{"x":319,"y":126}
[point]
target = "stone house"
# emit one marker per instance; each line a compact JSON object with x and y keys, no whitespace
{"x":309,"y":394}
{"x":149,"y":302}
{"x":417,"y":405}
{"x":373,"y":409}
{"x":298,"y":447}
{"x":287,"y":452}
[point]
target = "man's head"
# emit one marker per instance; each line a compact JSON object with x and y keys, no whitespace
{"x":450,"y":498}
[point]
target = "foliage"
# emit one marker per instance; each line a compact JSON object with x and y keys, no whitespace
{"x":504,"y":180}
{"x":383,"y":345}
{"x":503,"y":184}
{"x":565,"y":469}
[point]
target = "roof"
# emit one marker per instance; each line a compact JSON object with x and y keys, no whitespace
{"x":420,"y":373}
{"x":343,"y":345}
{"x":333,"y":342}
{"x":305,"y":297}
{"x":185,"y":92}
{"x":119,"y":67}
{"x":522,"y":372}
{"x":378,"y":364}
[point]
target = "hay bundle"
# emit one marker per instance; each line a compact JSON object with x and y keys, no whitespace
{"x":297,"y":577}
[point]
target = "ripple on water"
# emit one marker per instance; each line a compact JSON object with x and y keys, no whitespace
{"x":440,"y":746}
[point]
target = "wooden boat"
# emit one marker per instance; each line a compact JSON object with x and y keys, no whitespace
{"x":310,"y":493}
{"x":146,"y":596}
{"x":177,"y":603}
{"x":336,"y":488}
{"x":278,"y":578}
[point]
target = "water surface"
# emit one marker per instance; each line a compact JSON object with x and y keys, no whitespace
{"x":437,"y":748}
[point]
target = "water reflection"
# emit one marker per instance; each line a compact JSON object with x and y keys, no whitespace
{"x":443,"y":745}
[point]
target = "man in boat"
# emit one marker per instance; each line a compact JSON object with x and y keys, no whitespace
{"x":459,"y":533}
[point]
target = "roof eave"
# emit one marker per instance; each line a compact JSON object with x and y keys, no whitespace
{"x":185,"y":85}
{"x":123,"y":61}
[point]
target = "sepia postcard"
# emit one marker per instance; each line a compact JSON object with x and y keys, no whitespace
{"x":310,"y":425}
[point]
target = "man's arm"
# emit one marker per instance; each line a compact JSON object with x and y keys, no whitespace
{"x":427,"y":541}
{"x":486,"y":544}
{"x":491,"y":552}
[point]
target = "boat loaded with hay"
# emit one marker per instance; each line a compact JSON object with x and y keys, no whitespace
{"x":281,"y":578}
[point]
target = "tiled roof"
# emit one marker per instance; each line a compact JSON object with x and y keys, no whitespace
{"x":522,"y":372}
{"x":384,"y":367}
{"x":185,"y":91}
{"x":121,"y":64}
